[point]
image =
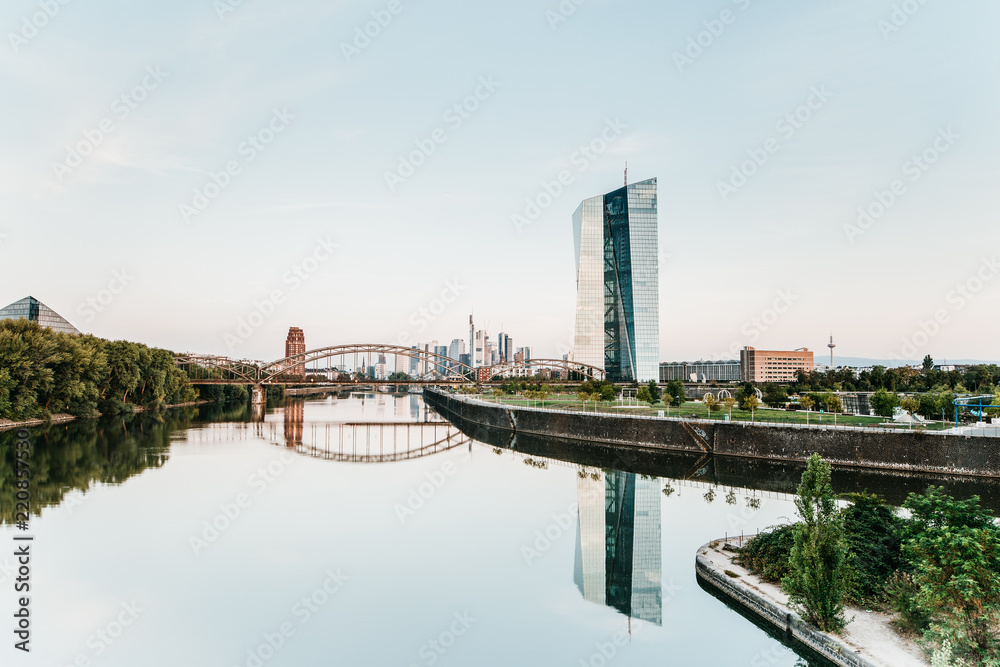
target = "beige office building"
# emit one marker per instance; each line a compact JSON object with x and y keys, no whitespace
{"x":773,"y":365}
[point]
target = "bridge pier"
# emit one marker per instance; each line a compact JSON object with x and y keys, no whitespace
{"x":259,"y":395}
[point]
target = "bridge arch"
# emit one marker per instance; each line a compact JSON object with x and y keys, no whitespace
{"x":242,"y":369}
{"x":440,"y":363}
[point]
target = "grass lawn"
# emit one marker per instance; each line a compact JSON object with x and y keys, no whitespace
{"x":699,"y":410}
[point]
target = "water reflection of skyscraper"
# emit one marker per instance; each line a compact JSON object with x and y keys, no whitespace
{"x":618,"y":555}
{"x":294,"y":419}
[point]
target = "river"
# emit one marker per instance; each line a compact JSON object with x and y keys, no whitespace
{"x":362,"y":529}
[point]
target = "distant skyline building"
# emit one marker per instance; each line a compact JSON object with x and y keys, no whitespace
{"x":30,"y":308}
{"x":456,"y":349}
{"x":477,"y":345}
{"x":504,"y":351}
{"x":442,"y":367}
{"x":525,"y":353}
{"x":617,"y":277}
{"x":295,"y":343}
{"x":414,"y":360}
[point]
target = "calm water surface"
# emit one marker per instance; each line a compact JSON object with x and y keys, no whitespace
{"x":357,"y":531}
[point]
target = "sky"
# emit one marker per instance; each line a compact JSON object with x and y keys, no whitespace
{"x":202,"y":175}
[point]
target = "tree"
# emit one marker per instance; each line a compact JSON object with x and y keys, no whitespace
{"x":928,"y":363}
{"x":711,"y":402}
{"x":588,"y":396}
{"x":884,"y":403}
{"x":955,"y":549}
{"x":729,"y":402}
{"x":643,"y":395}
{"x":675,"y":388}
{"x":750,"y":403}
{"x":745,"y":391}
{"x":775,"y":395}
{"x":877,"y":377}
{"x":654,"y":391}
{"x":807,"y":403}
{"x":833,"y":403}
{"x":873,"y":534}
{"x":819,"y":567}
{"x":911,"y":405}
{"x":46,"y":372}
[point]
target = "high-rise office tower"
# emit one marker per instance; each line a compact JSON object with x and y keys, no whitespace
{"x":504,"y":350}
{"x":477,"y":345}
{"x":441,"y":366}
{"x":402,"y":364}
{"x":426,"y":365}
{"x":472,"y":341}
{"x":295,"y":343}
{"x":456,"y":349}
{"x":617,"y":283}
{"x":415,"y":360}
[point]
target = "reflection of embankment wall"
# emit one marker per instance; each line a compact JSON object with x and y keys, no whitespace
{"x":896,"y":451}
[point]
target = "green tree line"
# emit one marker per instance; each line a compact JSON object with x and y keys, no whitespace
{"x":982,"y":378}
{"x":45,"y":372}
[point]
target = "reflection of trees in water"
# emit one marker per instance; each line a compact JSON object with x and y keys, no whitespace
{"x":72,"y":456}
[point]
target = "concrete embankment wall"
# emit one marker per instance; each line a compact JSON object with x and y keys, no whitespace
{"x":783,"y":619}
{"x":865,"y":448}
{"x":610,"y":429}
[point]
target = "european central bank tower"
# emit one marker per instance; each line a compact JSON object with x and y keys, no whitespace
{"x":617,"y":283}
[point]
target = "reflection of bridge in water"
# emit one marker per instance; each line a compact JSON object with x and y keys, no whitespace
{"x":374,"y":442}
{"x":363,"y":442}
{"x":346,"y":441}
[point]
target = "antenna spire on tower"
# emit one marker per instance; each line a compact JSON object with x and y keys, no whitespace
{"x":626,"y":173}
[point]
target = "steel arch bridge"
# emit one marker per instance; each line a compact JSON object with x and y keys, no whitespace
{"x":213,"y":369}
{"x":285,"y":371}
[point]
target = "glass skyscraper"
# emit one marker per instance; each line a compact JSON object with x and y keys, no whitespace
{"x":617,"y":283}
{"x":32,"y":309}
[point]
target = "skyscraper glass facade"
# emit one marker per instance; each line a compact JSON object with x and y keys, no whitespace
{"x":617,"y":308}
{"x":32,"y":309}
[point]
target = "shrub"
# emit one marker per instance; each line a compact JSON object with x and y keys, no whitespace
{"x":766,"y":555}
{"x":872,"y":531}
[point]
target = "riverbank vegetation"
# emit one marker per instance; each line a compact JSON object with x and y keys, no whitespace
{"x":937,"y":570}
{"x":45,"y":372}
